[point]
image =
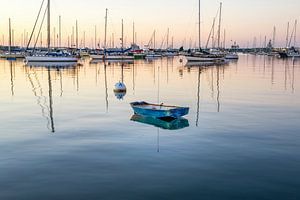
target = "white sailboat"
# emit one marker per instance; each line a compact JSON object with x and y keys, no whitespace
{"x":11,"y":55}
{"x":113,"y":55}
{"x":119,"y":56}
{"x":50,"y":56}
{"x":203,"y":56}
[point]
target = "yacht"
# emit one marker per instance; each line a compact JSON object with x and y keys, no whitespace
{"x":289,"y":53}
{"x":50,"y":56}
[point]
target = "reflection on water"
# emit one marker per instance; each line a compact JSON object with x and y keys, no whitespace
{"x":47,"y":108}
{"x":12,"y":72}
{"x":173,"y":124}
{"x":64,"y":132}
{"x":39,"y":94}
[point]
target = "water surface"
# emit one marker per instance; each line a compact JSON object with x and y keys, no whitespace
{"x":64,"y":134}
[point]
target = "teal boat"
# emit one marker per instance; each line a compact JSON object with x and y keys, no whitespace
{"x":158,"y":110}
{"x":172,"y":124}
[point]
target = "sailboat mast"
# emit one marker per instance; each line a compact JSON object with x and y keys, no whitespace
{"x":168,"y":38}
{"x":133,"y":32}
{"x":105,"y":32}
{"x":122,"y":39}
{"x":48,"y":26}
{"x":59,"y":31}
{"x":287,"y":34}
{"x":274,"y":36}
{"x":295,"y":33}
{"x":84,"y":39}
{"x":219,"y":31}
{"x":199,"y":31}
{"x":76,"y":34}
{"x":213,"y":35}
{"x":9,"y":32}
{"x":224,"y":39}
{"x":95,"y":39}
{"x":154,"y":39}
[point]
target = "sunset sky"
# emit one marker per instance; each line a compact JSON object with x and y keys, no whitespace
{"x":242,"y":19}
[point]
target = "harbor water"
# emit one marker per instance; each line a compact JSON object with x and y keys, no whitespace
{"x":65,"y":134}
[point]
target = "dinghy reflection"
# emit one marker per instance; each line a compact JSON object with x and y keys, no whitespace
{"x":169,"y":124}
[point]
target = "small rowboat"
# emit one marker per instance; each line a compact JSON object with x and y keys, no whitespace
{"x":158,"y":110}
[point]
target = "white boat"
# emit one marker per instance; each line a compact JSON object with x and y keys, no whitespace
{"x":121,"y":54}
{"x":36,"y":58}
{"x":150,"y":55}
{"x":108,"y":57}
{"x":51,"y":57}
{"x":118,"y":57}
{"x":202,"y":57}
{"x":12,"y":55}
{"x":170,"y":54}
{"x":232,"y":56}
{"x":57,"y":56}
{"x":97,"y":57}
{"x":84,"y":54}
{"x":289,"y":53}
{"x":214,"y":55}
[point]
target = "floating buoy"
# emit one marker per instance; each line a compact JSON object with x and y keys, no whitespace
{"x":120,"y":87}
{"x":120,"y":90}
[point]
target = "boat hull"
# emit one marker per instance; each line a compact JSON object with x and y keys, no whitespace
{"x":97,"y":57}
{"x":12,"y":56}
{"x":151,"y":56}
{"x":31,"y":59}
{"x":289,"y":55}
{"x":174,"y":112}
{"x":119,"y":58}
{"x":112,"y":57}
{"x":232,"y":57}
{"x":203,"y":59}
{"x":139,"y":56}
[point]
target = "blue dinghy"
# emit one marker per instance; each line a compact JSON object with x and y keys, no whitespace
{"x":172,"y":124}
{"x":158,"y":110}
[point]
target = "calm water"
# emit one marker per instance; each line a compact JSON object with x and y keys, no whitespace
{"x":64,"y":134}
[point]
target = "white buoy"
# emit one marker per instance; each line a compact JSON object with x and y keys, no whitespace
{"x":120,"y":90}
{"x":120,"y":87}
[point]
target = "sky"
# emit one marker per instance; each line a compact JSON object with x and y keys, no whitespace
{"x":242,"y":19}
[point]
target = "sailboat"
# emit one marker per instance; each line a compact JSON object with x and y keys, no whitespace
{"x":290,"y":52}
{"x":114,"y":54}
{"x":118,"y":55}
{"x":11,"y":54}
{"x":51,"y":56}
{"x":201,"y":55}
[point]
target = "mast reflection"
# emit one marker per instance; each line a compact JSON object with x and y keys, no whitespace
{"x":50,"y":101}
{"x":43,"y":103}
{"x":11,"y":78}
{"x":106,"y":87}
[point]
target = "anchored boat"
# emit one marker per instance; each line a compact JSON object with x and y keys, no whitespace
{"x":158,"y":110}
{"x":50,"y":56}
